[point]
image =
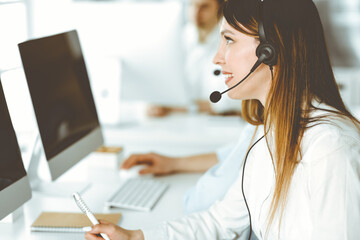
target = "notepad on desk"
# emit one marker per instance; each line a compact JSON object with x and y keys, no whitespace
{"x":68,"y":222}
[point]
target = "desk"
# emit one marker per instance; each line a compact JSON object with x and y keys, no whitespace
{"x":175,"y":135}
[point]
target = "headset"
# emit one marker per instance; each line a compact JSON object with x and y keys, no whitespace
{"x":266,"y":53}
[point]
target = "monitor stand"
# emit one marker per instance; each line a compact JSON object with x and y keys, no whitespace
{"x":38,"y":184}
{"x":11,"y":218}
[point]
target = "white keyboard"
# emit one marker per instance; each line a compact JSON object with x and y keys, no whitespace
{"x":138,"y":194}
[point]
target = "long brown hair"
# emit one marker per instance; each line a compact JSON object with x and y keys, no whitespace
{"x":302,"y":74}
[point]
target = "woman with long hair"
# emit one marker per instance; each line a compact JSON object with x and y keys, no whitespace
{"x":301,"y":175}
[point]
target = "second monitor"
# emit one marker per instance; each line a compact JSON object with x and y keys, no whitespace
{"x":61,"y":95}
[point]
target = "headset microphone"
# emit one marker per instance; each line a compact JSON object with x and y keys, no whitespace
{"x":216,"y":95}
{"x":217,"y":72}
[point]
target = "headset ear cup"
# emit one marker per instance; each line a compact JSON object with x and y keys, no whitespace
{"x":269,"y":51}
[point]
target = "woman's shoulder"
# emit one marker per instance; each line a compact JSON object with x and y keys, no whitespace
{"x":330,"y":132}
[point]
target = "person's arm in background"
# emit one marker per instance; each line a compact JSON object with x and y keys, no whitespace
{"x":203,"y":106}
{"x":159,"y":164}
{"x":163,"y":111}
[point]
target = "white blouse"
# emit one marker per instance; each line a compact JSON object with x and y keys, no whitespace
{"x":323,"y":202}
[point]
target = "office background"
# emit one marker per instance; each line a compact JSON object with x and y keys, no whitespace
{"x":102,"y":27}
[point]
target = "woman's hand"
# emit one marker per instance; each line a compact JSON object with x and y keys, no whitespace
{"x":156,"y":164}
{"x":114,"y":232}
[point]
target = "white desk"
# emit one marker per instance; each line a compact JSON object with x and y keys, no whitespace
{"x":176,"y":135}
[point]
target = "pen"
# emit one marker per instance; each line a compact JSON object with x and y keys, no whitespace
{"x":86,"y":229}
{"x":84,"y":208}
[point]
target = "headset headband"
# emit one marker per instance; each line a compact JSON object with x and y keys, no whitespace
{"x":261,"y":23}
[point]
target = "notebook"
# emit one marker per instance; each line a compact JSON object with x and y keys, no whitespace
{"x":68,"y":222}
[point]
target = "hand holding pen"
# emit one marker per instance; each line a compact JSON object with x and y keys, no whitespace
{"x":84,"y":208}
{"x":104,"y":230}
{"x":114,"y":232}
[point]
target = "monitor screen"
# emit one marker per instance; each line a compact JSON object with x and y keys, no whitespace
{"x":11,"y":165}
{"x":60,"y":90}
{"x":14,"y":183}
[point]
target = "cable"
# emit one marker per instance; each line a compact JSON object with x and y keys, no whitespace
{"x":242,"y":182}
{"x":243,"y":172}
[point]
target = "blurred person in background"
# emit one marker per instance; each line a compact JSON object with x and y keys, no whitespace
{"x":201,"y":39}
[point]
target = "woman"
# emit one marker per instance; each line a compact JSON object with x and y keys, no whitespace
{"x":302,"y":177}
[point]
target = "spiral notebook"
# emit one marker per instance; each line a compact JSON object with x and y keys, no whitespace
{"x":68,"y":222}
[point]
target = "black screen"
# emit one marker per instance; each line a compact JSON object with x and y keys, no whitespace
{"x":60,"y":90}
{"x":11,"y":165}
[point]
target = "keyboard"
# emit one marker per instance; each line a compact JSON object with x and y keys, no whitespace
{"x":138,"y":194}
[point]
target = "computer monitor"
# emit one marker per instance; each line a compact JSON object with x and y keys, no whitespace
{"x":64,"y":107}
{"x":14,"y":183}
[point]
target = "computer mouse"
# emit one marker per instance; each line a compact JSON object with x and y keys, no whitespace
{"x":132,"y":172}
